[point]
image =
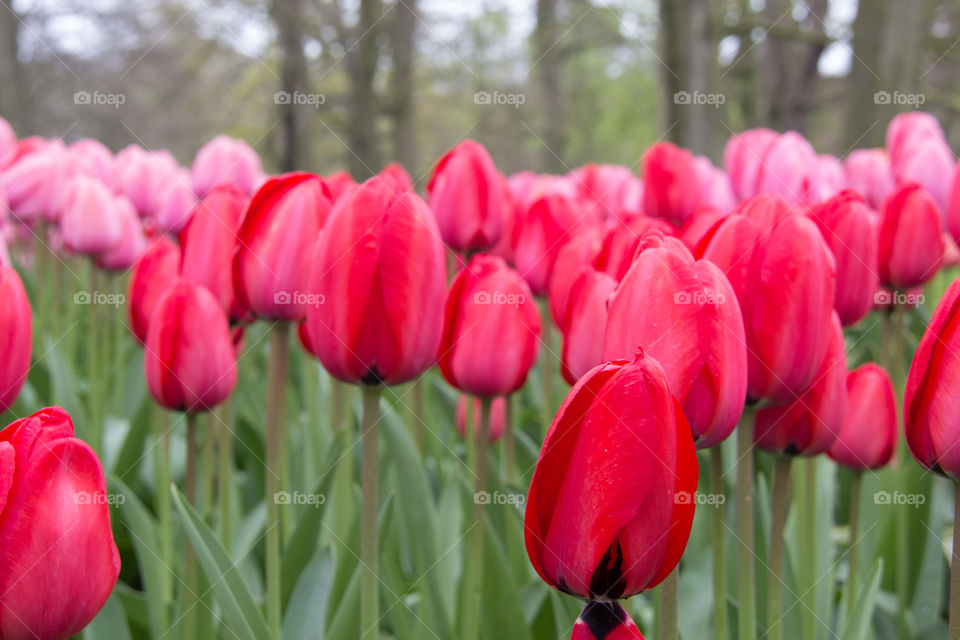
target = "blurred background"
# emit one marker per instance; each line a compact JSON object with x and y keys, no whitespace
{"x":546,"y":84}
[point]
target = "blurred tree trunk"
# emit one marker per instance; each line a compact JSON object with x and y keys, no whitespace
{"x":288,"y":18}
{"x":14,"y":100}
{"x":362,"y":67}
{"x":403,"y":41}
{"x":688,"y":54}
{"x":548,"y":56}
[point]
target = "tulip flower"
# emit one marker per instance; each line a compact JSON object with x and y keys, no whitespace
{"x":810,"y":424}
{"x":602,"y":620}
{"x":275,"y":244}
{"x":91,"y":158}
{"x":789,"y":168}
{"x":175,"y":205}
{"x":850,"y":230}
{"x":828,"y":179}
{"x":467,"y":197}
{"x":226,"y":160}
{"x":90,"y":223}
{"x":395,"y":175}
{"x":698,"y":226}
{"x":671,"y":187}
{"x":868,"y":172}
{"x":611,"y":503}
{"x":379,"y":277}
{"x":919,"y":153}
{"x":208,"y":243}
{"x":338,"y":183}
{"x":124,"y":253}
{"x":684,"y":314}
{"x":189,"y":362}
{"x":8,"y":137}
{"x":540,"y":233}
{"x":868,"y":438}
{"x":31,"y":184}
{"x":143,"y":176}
{"x":491,"y":329}
{"x":784,"y":276}
{"x":609,"y":188}
{"x":583,"y":250}
{"x":953,"y":206}
{"x":58,"y":560}
{"x":911,"y":242}
{"x":152,"y":274}
{"x":716,"y":192}
{"x":586,"y":312}
{"x":743,"y":159}
{"x":16,"y":337}
{"x":498,"y":416}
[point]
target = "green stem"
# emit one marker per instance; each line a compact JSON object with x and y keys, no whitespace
{"x":718,"y":535}
{"x":747,"y":595}
{"x":854,"y":536}
{"x":808,"y":545}
{"x":509,"y":450}
{"x":669,"y":595}
{"x":955,"y":569}
{"x":474,"y":571}
{"x":901,"y":512}
{"x":781,"y":502}
{"x":369,"y":584}
{"x":337,"y":390}
{"x":418,"y":413}
{"x":190,"y":572}
{"x":276,"y":443}
{"x":94,"y":359}
{"x":161,"y":462}
{"x":225,"y":475}
{"x":206,"y":476}
{"x":546,"y":373}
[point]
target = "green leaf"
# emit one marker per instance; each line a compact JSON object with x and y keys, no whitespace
{"x":307,"y":611}
{"x":110,"y":623}
{"x":230,"y":590}
{"x":858,"y":623}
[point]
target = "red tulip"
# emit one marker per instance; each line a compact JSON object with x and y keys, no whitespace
{"x":930,"y":405}
{"x":783,"y":275}
{"x":339,"y":182}
{"x":58,"y":560}
{"x":152,"y":275}
{"x":583,"y":250}
{"x":605,"y":620}
{"x":850,"y":230}
{"x":189,"y":362}
{"x":671,"y":187}
{"x":395,"y":175}
{"x":743,"y":159}
{"x":623,"y":237}
{"x":380,"y":278}
{"x":868,"y":172}
{"x":699,"y":225}
{"x":275,"y":241}
{"x":226,"y":160}
{"x":868,"y":437}
{"x":684,"y":314}
{"x":953,"y":206}
{"x":491,"y":329}
{"x":611,"y":503}
{"x":16,"y":337}
{"x":609,"y":188}
{"x":467,"y":197}
{"x":810,"y":424}
{"x":911,"y":242}
{"x":586,"y":313}
{"x":498,"y":416}
{"x":208,"y":243}
{"x":540,"y":233}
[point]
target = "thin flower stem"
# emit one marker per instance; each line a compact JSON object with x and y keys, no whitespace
{"x":854,"y":536}
{"x":191,"y":574}
{"x":747,"y":595}
{"x":781,"y":503}
{"x":955,"y":569}
{"x":669,"y":595}
{"x":369,"y":584}
{"x":718,"y":535}
{"x":473,"y":576}
{"x":275,"y":445}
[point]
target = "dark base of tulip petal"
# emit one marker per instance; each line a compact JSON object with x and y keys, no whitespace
{"x":602,"y":618}
{"x":608,"y":580}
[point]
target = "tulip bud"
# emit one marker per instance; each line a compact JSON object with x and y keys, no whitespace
{"x":124,"y":253}
{"x":911,"y":241}
{"x":379,"y":278}
{"x":743,"y":159}
{"x":788,"y":168}
{"x":90,"y":223}
{"x":58,"y":560}
{"x":810,"y":424}
{"x":275,"y":241}
{"x":226,"y":160}
{"x":586,"y":312}
{"x":498,"y":416}
{"x":189,"y":362}
{"x":395,"y":175}
{"x":868,"y":172}
{"x":716,"y":192}
{"x":338,"y":183}
{"x":175,"y":205}
{"x":541,"y":232}
{"x":607,"y":188}
{"x":152,"y":274}
{"x":605,"y":620}
{"x":919,"y":153}
{"x":583,"y":250}
{"x":491,"y":329}
{"x":868,"y":437}
{"x":143,"y":177}
{"x":16,"y":336}
{"x":930,"y":405}
{"x":671,"y":188}
{"x":612,"y":499}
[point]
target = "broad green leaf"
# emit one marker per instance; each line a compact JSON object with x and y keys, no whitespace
{"x":306,"y":613}
{"x":858,"y":624}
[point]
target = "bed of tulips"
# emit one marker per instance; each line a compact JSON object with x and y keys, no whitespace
{"x":683,"y":401}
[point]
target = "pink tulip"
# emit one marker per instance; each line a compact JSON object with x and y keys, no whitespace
{"x":716,"y":192}
{"x":132,"y":243}
{"x":8,"y":138}
{"x":16,"y":337}
{"x":31,"y":184}
{"x":142,"y":176}
{"x":789,"y":168}
{"x":608,"y":188}
{"x":91,"y":221}
{"x":226,"y":159}
{"x":583,"y":250}
{"x":498,"y":416}
{"x":175,"y":205}
{"x":339,"y":182}
{"x":868,"y":438}
{"x":828,"y":179}
{"x":868,"y":172}
{"x":919,"y":153}
{"x":743,"y":159}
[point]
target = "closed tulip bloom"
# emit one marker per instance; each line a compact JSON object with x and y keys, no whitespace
{"x":467,"y":197}
{"x":930,"y":404}
{"x":716,"y":192}
{"x":498,"y":416}
{"x":90,"y":223}
{"x":828,"y":179}
{"x":380,"y":277}
{"x":208,"y":242}
{"x":189,"y":362}
{"x":784,"y":276}
{"x":16,"y":337}
{"x":583,"y":250}
{"x":953,"y":206}
{"x":603,"y":620}
{"x":586,"y":314}
{"x":92,"y":158}
{"x":226,"y":160}
{"x":491,"y":329}
{"x":699,"y":225}
{"x":684,"y":314}
{"x":911,"y":241}
{"x":789,"y":168}
{"x":868,"y":172}
{"x":541,"y":231}
{"x":124,"y":253}
{"x":275,"y":243}
{"x":611,"y":503}
{"x":143,"y":177}
{"x":810,"y":424}
{"x":671,"y":187}
{"x":868,"y":437}
{"x":609,"y":188}
{"x":31,"y":183}
{"x":394,"y":174}
{"x":623,"y":236}
{"x":919,"y":153}
{"x":58,"y":560}
{"x":338,"y":183}
{"x":850,"y":230}
{"x":743,"y":159}
{"x":176,"y":204}
{"x":152,"y":274}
